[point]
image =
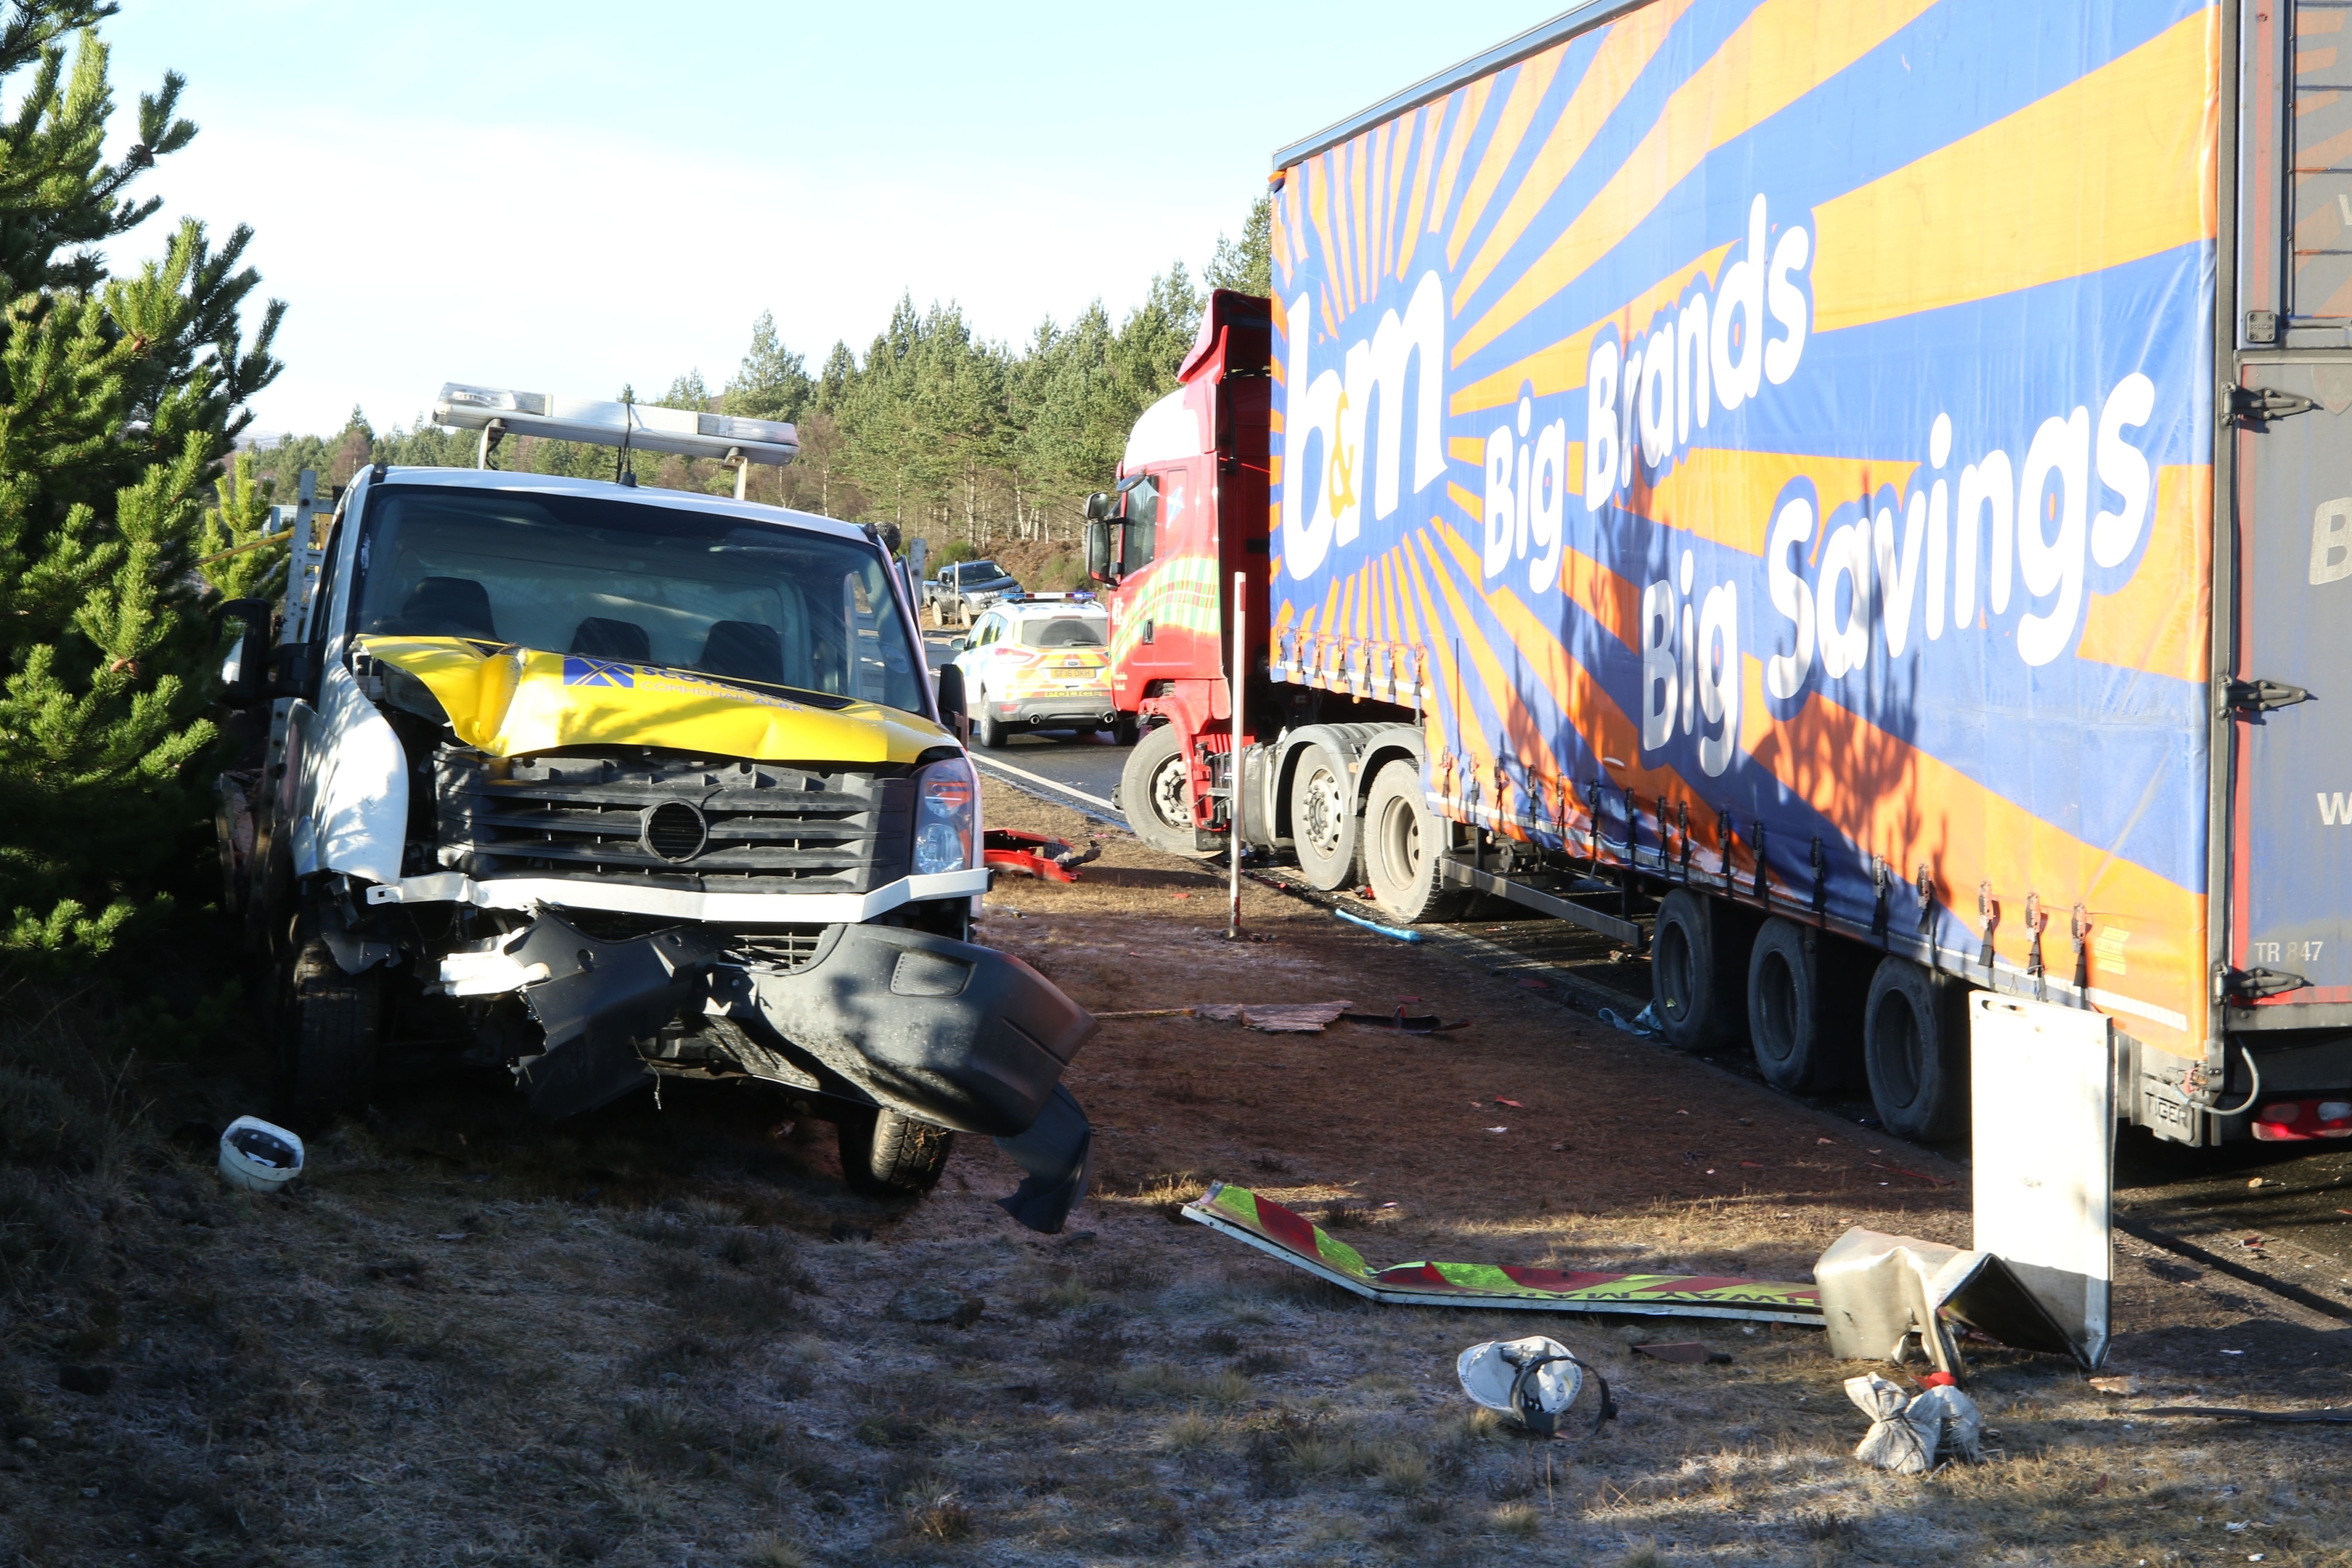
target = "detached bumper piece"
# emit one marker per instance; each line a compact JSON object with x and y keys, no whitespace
{"x":1261,"y":1223}
{"x":944,"y":1031}
{"x":1034,"y":853}
{"x":597,"y":1001}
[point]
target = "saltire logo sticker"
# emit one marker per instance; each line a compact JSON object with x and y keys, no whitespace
{"x":578,"y":671}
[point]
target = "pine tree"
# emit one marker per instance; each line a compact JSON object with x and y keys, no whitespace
{"x":773,"y":383}
{"x":687,"y":392}
{"x":354,"y":448}
{"x":120,"y":394}
{"x":1247,"y":264}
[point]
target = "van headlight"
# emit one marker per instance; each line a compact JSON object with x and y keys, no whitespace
{"x":947,"y":811}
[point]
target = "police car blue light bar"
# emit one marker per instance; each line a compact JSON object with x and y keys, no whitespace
{"x":641,"y":427}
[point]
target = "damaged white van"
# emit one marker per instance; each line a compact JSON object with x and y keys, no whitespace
{"x":597,"y":784}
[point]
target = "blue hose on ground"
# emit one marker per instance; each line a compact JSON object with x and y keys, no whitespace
{"x":1374,"y":925}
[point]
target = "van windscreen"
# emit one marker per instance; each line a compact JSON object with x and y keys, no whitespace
{"x":636,"y":582}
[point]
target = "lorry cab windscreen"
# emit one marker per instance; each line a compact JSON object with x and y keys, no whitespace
{"x":639,"y":584}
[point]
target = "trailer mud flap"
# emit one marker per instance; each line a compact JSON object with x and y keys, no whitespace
{"x":599,"y":999}
{"x":944,"y":1031}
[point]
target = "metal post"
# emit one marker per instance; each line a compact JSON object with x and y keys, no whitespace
{"x":742,"y":470}
{"x":1234,"y":805}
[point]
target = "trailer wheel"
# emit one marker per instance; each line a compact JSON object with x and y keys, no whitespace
{"x":1915,"y":1044}
{"x":989,"y":730}
{"x":889,"y":1155}
{"x":1698,"y":971}
{"x":1799,"y":1019}
{"x":327,"y":1030}
{"x":1403,"y":841}
{"x":1154,"y":793}
{"x":1324,"y":825}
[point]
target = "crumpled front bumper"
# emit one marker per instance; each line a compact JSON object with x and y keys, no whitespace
{"x":944,"y":1031}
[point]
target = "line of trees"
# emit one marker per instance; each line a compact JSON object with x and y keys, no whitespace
{"x":933,"y":427}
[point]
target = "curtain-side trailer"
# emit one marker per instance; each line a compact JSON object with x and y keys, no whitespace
{"x":1855,"y":494}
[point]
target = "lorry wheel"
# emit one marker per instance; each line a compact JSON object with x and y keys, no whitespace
{"x":327,"y":1033}
{"x":1122,"y":732}
{"x":1153,"y":793}
{"x":1323,"y":821}
{"x":889,"y":1155}
{"x":1915,"y":1044}
{"x":986,"y":728}
{"x":1698,"y":971}
{"x":1799,"y":1019}
{"x":1402,"y":840}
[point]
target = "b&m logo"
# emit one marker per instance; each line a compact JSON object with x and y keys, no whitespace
{"x":1334,"y":451}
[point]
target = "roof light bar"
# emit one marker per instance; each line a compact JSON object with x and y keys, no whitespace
{"x":681,"y":431}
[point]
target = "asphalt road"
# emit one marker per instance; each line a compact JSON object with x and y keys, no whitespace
{"x":1075,"y":770}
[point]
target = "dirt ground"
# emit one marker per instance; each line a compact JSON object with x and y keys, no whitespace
{"x":662,"y":1336}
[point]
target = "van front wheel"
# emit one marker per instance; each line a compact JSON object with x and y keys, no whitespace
{"x":887,"y":1155}
{"x":327,"y":1028}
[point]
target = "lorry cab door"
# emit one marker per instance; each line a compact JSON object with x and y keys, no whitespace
{"x":1156,"y":542}
{"x":2286,"y":683}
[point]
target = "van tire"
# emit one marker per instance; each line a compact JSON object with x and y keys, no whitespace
{"x":1402,"y":842}
{"x":1698,"y":971}
{"x":328,"y":1029}
{"x":1803,"y":1019}
{"x":1153,"y":788}
{"x":886,"y":1155}
{"x":1914,"y":1045}
{"x":1325,"y":826}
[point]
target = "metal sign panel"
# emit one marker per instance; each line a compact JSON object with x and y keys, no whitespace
{"x":2045,"y":1146}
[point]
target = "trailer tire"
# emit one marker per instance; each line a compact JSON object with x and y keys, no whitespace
{"x":1153,"y":795}
{"x":327,"y":1028}
{"x":988,"y":730}
{"x":1325,"y":826}
{"x":1800,"y":1019}
{"x":887,"y":1155}
{"x":1402,"y":839}
{"x":1698,"y":970}
{"x":1914,"y":1045}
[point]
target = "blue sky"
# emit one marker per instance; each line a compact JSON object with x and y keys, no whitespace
{"x":564,"y":197}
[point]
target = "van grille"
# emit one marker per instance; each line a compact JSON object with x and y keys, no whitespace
{"x":663,"y":820}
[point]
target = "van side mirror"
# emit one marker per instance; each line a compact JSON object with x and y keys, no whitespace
{"x":245,"y":673}
{"x":951,"y":705}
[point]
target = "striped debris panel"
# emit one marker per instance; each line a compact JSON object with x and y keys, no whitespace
{"x":1261,"y":1223}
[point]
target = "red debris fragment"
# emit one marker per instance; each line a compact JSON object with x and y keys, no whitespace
{"x":1513,"y":1104}
{"x":1035,"y":855}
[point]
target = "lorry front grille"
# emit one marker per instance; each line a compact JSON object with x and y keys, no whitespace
{"x":663,"y":820}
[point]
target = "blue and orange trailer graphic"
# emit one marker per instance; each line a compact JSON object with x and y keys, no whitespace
{"x":1778,"y":437}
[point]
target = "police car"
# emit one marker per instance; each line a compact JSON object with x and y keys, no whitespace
{"x":1039,"y":662}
